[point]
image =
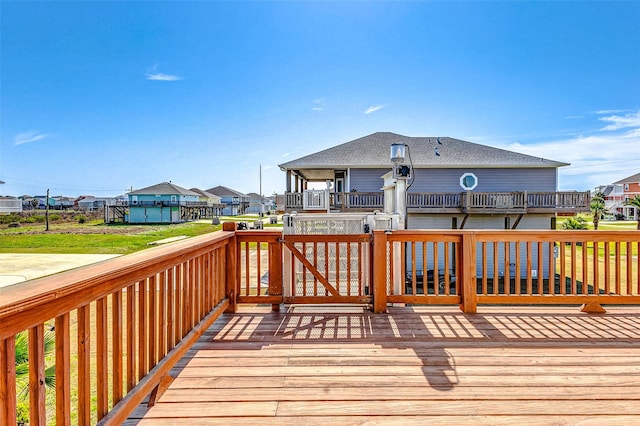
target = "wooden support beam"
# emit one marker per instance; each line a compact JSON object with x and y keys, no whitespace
{"x":231,"y":267}
{"x":380,"y":261}
{"x":468,"y":268}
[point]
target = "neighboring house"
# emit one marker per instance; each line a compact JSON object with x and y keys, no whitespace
{"x":258,"y":204}
{"x":86,"y":202}
{"x":207,"y":197}
{"x":160,"y":203}
{"x":10,"y":205}
{"x":613,"y":198}
{"x":236,"y":202}
{"x":279,"y":203}
{"x":42,"y":201}
{"x":63,"y":203}
{"x":630,"y":188}
{"x":453,"y":183}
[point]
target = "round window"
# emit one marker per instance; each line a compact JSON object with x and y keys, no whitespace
{"x":468,"y":181}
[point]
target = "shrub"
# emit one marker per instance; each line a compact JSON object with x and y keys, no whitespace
{"x":81,"y":218}
{"x":54,"y":217}
{"x":574,"y":223}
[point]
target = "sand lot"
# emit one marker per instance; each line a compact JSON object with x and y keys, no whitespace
{"x":17,"y":268}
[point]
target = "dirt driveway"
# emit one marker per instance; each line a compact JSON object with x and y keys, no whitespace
{"x":17,"y":268}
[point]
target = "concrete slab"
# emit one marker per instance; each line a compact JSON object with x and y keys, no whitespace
{"x":19,"y":267}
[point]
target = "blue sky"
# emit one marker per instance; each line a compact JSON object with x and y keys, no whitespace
{"x":100,"y":97}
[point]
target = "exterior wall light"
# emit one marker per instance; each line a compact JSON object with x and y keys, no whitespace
{"x":398,"y":153}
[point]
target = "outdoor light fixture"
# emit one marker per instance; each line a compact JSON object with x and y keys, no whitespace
{"x":400,"y":170}
{"x":398,"y":152}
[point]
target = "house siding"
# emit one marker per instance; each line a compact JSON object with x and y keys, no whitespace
{"x":489,"y":180}
{"x":366,"y":180}
{"x":448,"y":180}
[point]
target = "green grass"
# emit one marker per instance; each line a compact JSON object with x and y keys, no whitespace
{"x":604,"y":225}
{"x":94,"y":238}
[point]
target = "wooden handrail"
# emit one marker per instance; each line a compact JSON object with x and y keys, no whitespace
{"x":163,"y":294}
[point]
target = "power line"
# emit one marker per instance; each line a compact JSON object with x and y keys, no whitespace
{"x":602,"y":164}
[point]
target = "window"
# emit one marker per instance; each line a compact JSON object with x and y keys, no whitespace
{"x":468,"y":181}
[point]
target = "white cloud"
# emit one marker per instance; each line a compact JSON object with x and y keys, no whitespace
{"x":374,"y":108}
{"x":32,"y":136}
{"x":162,"y":77}
{"x":622,"y":122}
{"x":596,"y":159}
{"x":612,"y":111}
{"x":319,"y":104}
{"x":153,"y":74}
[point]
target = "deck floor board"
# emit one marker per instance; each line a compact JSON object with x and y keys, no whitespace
{"x":414,"y":365}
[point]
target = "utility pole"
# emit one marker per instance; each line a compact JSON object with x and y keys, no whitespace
{"x":46,"y":211}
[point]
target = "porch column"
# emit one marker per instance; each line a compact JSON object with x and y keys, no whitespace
{"x":288,"y":181}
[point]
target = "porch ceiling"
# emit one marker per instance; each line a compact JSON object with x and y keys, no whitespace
{"x":316,"y":175}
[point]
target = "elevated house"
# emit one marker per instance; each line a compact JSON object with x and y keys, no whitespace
{"x":207,"y":197}
{"x":438,"y":183}
{"x":630,"y":188}
{"x":614,"y":199}
{"x":258,"y":204}
{"x":236,"y":202}
{"x":451,"y":184}
{"x":210,"y":206}
{"x":160,"y":203}
{"x":63,"y":203}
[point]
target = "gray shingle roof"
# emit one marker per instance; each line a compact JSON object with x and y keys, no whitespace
{"x":204,"y":193}
{"x":223,"y":191}
{"x":164,"y":188}
{"x":373,"y":152}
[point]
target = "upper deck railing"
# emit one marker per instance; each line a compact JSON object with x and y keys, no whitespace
{"x":460,"y":202}
{"x":128,"y":320}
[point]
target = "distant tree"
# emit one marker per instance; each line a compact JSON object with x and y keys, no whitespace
{"x":635,"y":202}
{"x":597,"y":208}
{"x":35,"y":203}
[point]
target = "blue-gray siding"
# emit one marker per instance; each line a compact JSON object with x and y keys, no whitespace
{"x":448,"y":180}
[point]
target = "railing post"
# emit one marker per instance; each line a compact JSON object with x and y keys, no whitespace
{"x":379,"y":279}
{"x":8,"y":381}
{"x":275,"y":272}
{"x":468,"y":269}
{"x":231,"y":267}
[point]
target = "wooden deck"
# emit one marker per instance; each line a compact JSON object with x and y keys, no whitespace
{"x":414,"y":365}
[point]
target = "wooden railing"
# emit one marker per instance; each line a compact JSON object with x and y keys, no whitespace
{"x":357,"y":200}
{"x":437,"y":200}
{"x":506,"y":267}
{"x":469,"y":202}
{"x":293,"y":200}
{"x":126,"y":321}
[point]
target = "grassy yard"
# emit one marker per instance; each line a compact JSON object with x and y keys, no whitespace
{"x":98,"y":238}
{"x":604,"y":225}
